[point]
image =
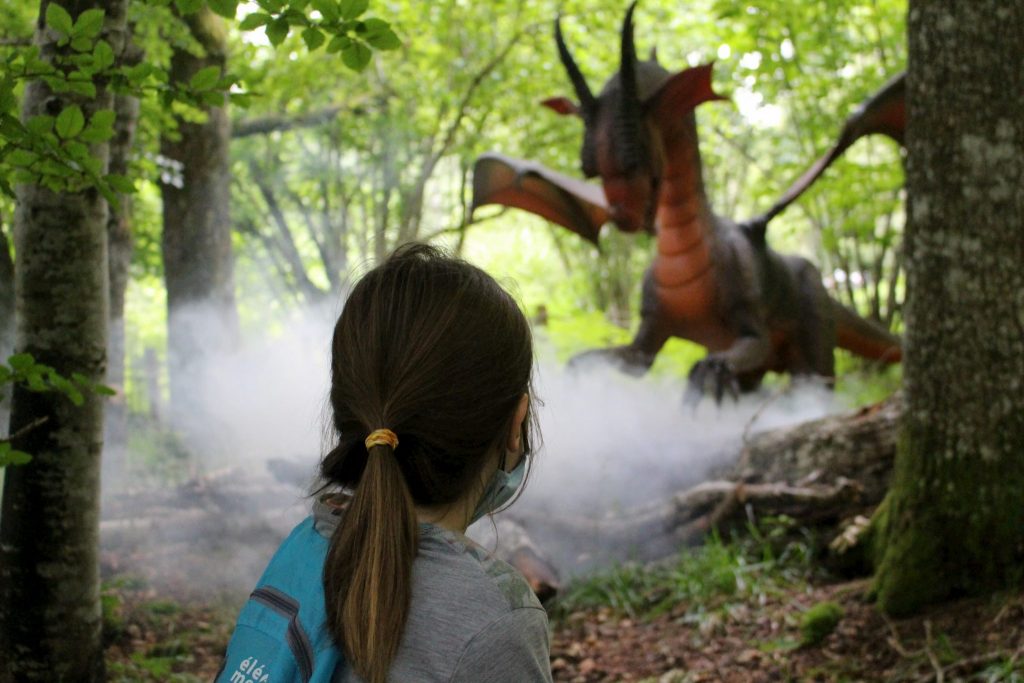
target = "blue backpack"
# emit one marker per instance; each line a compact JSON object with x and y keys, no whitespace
{"x":281,"y":635}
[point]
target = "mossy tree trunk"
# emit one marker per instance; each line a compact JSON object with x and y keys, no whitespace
{"x":49,"y":528}
{"x":954,"y":517}
{"x":198,"y":263}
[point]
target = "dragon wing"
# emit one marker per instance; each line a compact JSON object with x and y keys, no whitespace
{"x":572,"y":203}
{"x":884,"y":112}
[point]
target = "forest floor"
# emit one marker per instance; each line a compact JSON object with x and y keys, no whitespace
{"x":720,"y":614}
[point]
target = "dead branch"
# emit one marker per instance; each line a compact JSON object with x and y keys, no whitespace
{"x":34,"y":424}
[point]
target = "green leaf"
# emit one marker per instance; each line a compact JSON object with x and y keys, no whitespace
{"x":81,"y":44}
{"x":138,"y":73}
{"x":350,"y":9}
{"x":84,"y":88}
{"x":58,"y":18}
{"x":212,"y":98}
{"x":21,"y":361}
{"x":91,"y":135}
{"x":9,"y":456}
{"x":240,"y":99}
{"x":40,"y":125}
{"x":313,"y":37}
{"x":378,"y":33}
{"x":255,"y":20}
{"x":277,"y":31}
{"x":104,"y":118}
{"x":89,"y":24}
{"x":22,"y":157}
{"x":8,"y":101}
{"x":122,"y":184}
{"x":295,"y":17}
{"x":188,"y":6}
{"x":225,"y":8}
{"x":70,"y":122}
{"x":108,"y":193}
{"x":356,"y":56}
{"x":77,"y":150}
{"x":205,"y":78}
{"x":328,"y":9}
{"x":102,"y":55}
{"x":338,"y":43}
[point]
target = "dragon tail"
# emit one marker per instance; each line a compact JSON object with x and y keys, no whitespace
{"x":864,"y":337}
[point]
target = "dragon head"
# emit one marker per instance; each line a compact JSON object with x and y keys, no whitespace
{"x":623,"y":125}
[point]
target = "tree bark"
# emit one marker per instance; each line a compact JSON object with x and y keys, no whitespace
{"x":50,"y":618}
{"x":198,"y":263}
{"x":6,"y":322}
{"x":953,"y":522}
{"x":119,"y":238}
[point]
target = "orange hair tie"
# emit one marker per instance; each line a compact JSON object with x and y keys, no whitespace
{"x":382,"y":437}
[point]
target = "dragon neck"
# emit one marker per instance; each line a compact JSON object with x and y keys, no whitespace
{"x":682,"y":268}
{"x":684,"y":218}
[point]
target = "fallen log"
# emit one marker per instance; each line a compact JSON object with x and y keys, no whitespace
{"x":860,"y":446}
{"x":819,"y":473}
{"x":657,"y":531}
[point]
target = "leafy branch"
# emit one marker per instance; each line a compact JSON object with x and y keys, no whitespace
{"x":23,"y":369}
{"x":53,"y":149}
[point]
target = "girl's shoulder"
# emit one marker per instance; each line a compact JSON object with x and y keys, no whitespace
{"x":505,"y":579}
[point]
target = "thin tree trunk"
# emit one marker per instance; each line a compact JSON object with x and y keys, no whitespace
{"x":953,"y":522}
{"x":6,"y":322}
{"x":50,"y":618}
{"x":198,"y":264}
{"x":119,"y":238}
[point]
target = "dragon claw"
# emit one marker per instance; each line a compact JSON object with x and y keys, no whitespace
{"x":711,"y":375}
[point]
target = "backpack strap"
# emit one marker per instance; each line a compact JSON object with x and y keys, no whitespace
{"x":295,"y":636}
{"x":284,"y":623}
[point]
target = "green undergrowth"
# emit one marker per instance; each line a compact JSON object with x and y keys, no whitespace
{"x":713,"y":576}
{"x":155,"y":638}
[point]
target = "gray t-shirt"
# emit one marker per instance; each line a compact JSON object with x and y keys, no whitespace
{"x":473,"y":618}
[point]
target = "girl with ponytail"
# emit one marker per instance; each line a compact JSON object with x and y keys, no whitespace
{"x":430,"y":393}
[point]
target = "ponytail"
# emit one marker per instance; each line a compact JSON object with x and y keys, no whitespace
{"x":368,"y":571}
{"x":433,"y":348}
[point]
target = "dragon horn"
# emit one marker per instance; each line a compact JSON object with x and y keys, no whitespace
{"x":629,"y":115}
{"x":579,"y":83}
{"x":627,"y":67}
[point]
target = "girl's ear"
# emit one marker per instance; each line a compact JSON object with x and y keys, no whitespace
{"x":515,"y":434}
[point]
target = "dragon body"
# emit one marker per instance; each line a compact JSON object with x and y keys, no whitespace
{"x":712,"y":280}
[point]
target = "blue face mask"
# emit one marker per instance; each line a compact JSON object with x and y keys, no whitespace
{"x":502,"y":487}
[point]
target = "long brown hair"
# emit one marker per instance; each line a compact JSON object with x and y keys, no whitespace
{"x":435,"y":350}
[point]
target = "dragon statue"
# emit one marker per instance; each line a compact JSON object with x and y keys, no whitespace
{"x":713,"y":281}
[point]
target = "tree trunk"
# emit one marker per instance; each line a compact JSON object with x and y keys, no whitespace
{"x":50,"y":619}
{"x":198,"y":264}
{"x":6,"y":323}
{"x":119,"y":238}
{"x":953,"y":523}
